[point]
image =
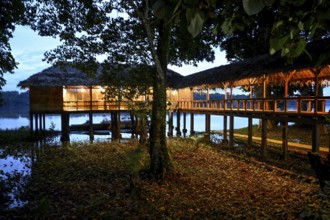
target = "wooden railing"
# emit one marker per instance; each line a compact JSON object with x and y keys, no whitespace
{"x":299,"y":105}
{"x":99,"y":105}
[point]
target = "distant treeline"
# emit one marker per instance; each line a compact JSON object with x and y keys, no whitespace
{"x":14,"y":102}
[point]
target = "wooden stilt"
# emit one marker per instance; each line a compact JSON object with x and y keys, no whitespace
{"x":316,"y":138}
{"x":225,"y":127}
{"x":231,"y":131}
{"x":115,"y":127}
{"x":285,"y":140}
{"x":31,"y":123}
{"x":170,"y":123}
{"x":184,"y":124}
{"x":207,"y":126}
{"x":40,"y":122}
{"x":178,"y":123}
{"x":250,"y":132}
{"x":264,"y":137}
{"x":44,"y":122}
{"x":65,"y":119}
{"x":192,"y":132}
{"x":36,"y":124}
{"x":91,"y":129}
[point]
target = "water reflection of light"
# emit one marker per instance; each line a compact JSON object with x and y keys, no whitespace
{"x":13,"y":166}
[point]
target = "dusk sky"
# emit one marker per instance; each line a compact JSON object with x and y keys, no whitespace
{"x":28,"y":49}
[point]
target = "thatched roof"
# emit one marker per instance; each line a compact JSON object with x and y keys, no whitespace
{"x":252,"y":71}
{"x":67,"y":75}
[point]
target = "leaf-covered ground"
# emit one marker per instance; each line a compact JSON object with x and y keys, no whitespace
{"x":208,"y":182}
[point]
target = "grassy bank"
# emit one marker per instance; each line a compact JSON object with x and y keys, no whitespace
{"x":108,"y":180}
{"x":23,"y":134}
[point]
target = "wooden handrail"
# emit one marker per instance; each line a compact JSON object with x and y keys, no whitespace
{"x":297,"y":105}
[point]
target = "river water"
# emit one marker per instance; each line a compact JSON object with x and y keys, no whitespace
{"x":17,"y":121}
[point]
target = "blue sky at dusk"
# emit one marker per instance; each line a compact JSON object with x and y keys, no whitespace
{"x":28,"y":49}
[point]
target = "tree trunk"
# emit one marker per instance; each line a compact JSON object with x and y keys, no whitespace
{"x":159,"y":155}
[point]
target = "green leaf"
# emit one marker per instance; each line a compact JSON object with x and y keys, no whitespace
{"x":277,"y":43}
{"x":297,"y":48}
{"x":196,"y":21}
{"x":159,"y":8}
{"x":269,"y":2}
{"x":253,"y":7}
{"x":285,"y":51}
{"x":227,"y":27}
{"x":277,"y":25}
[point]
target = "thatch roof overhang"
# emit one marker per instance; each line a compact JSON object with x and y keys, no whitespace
{"x":66,"y":75}
{"x":272,"y":68}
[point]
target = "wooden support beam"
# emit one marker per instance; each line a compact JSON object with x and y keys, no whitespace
{"x":91,"y":129}
{"x":36,"y":123}
{"x":207,"y":125}
{"x":285,"y":140}
{"x":264,"y":137}
{"x":225,"y":127}
{"x":184,"y":124}
{"x":170,"y":123}
{"x":231,"y":131}
{"x":192,"y":124}
{"x":316,"y":138}
{"x":44,"y":122}
{"x":250,"y":132}
{"x":178,"y":124}
{"x":65,"y":120}
{"x":115,"y":126}
{"x":31,"y":123}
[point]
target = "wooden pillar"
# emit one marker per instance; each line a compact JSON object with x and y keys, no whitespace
{"x":184,"y":124}
{"x":40,"y":122}
{"x":178,"y":124}
{"x":231,"y":131}
{"x":285,"y":140}
{"x":170,"y":123}
{"x":115,"y":126}
{"x":207,"y":126}
{"x":250,"y":120}
{"x":264,"y":137}
{"x":31,"y":123}
{"x":264,"y":94}
{"x":192,"y":125}
{"x":36,"y":123}
{"x":250,"y":131}
{"x":316,"y":138}
{"x":225,"y":116}
{"x":91,"y":129}
{"x":65,"y":120}
{"x":44,"y":122}
{"x":225,"y":136}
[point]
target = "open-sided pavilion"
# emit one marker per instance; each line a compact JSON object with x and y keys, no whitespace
{"x":66,"y":91}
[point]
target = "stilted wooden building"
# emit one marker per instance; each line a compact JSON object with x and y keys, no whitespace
{"x":69,"y":90}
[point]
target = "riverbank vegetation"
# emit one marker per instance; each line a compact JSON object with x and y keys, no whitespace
{"x":23,"y":134}
{"x":110,"y":180}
